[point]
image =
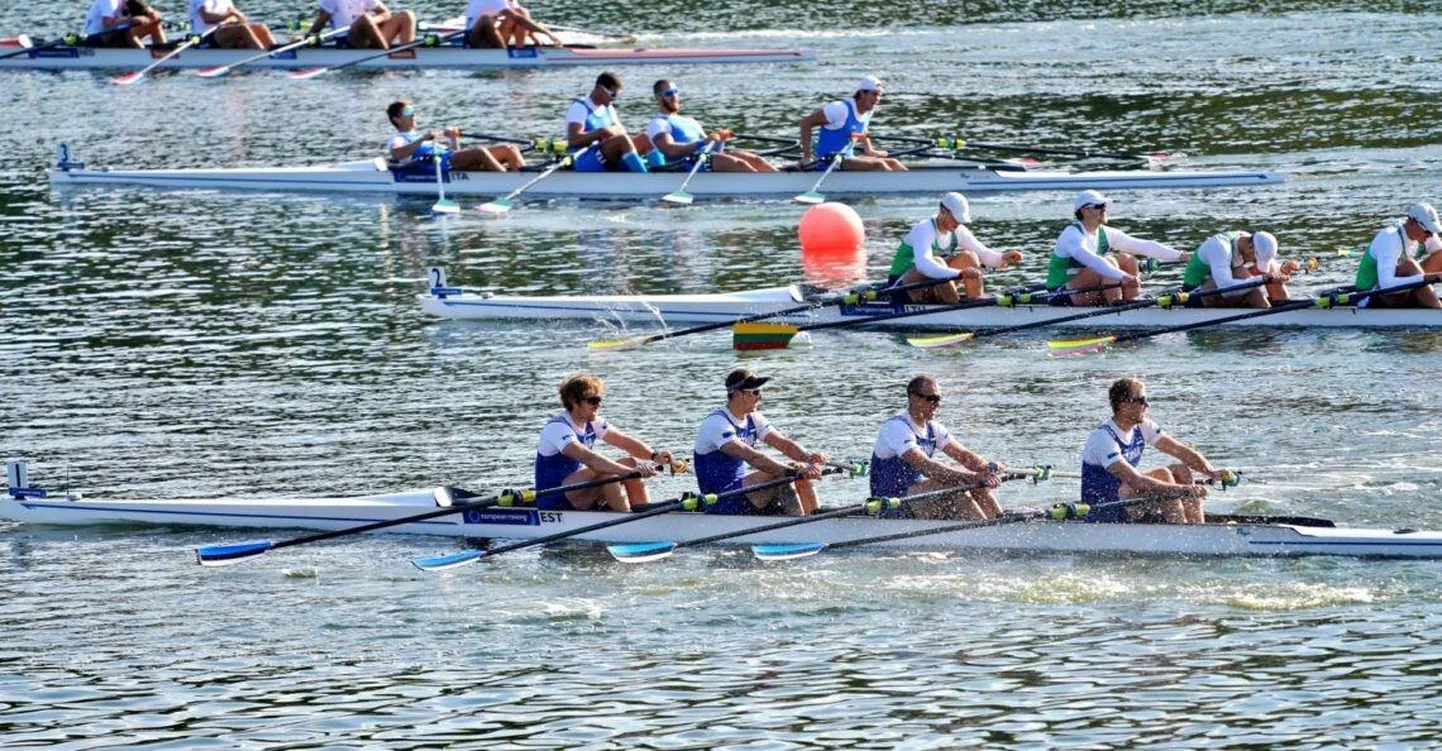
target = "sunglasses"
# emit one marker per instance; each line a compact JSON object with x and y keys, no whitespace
{"x":933,"y":398}
{"x":669,"y":93}
{"x":594,"y":401}
{"x":1142,"y":400}
{"x":751,"y":392}
{"x":613,"y":94}
{"x":408,"y":111}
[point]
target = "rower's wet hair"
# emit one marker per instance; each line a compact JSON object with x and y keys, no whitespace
{"x":914,"y":385}
{"x":609,"y":80}
{"x":394,"y":110}
{"x":575,"y":387}
{"x":660,"y":86}
{"x":1122,"y":390}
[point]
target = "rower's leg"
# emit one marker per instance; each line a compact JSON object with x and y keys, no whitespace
{"x":621,"y":149}
{"x":400,"y":27}
{"x":729,"y":163}
{"x":508,"y":155}
{"x":895,"y":165}
{"x":1089,"y":278}
{"x":1422,"y":297}
{"x":365,"y":35}
{"x":969,"y":265}
{"x":861,"y":164}
{"x":475,"y":160}
{"x":1128,"y":263}
{"x":484,"y":34}
{"x":1432,"y":263}
{"x":760,"y":498}
{"x":986,"y":501}
{"x":757,"y":162}
{"x":263,"y":35}
{"x":1191,"y":507}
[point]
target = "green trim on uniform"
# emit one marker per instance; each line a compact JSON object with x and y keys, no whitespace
{"x":1367,"y":276}
{"x":1199,"y":271}
{"x":1059,"y":269}
{"x":905,"y":258}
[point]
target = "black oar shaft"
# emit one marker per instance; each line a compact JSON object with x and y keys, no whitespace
{"x":925,"y":311}
{"x":1135,"y":305}
{"x":983,"y":523}
{"x":393,"y":50}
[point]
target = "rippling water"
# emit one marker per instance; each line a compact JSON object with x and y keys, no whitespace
{"x":199,"y":344}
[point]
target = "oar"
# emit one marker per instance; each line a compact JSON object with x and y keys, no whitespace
{"x":129,"y":78}
{"x":1059,"y":512}
{"x":815,"y":196}
{"x":767,"y":139}
{"x":503,"y":204}
{"x":641,"y":552}
{"x":680,"y":196}
{"x":221,"y":555}
{"x":936,"y":341}
{"x":958,"y":144}
{"x":442,"y":205}
{"x":849,"y":298}
{"x":687,"y":502}
{"x":27,"y":46}
{"x":426,"y":42}
{"x":745,"y":336}
{"x":220,"y":70}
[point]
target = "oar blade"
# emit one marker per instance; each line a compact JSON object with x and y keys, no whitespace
{"x":308,"y":73}
{"x":938,"y":342}
{"x":787,"y":551}
{"x":445,"y":206}
{"x":810,"y":198}
{"x":128,"y":78}
{"x":1069,"y":347}
{"x":444,"y":562}
{"x":641,"y":552}
{"x":212,"y":72}
{"x":627,"y":343}
{"x":758,"y":336}
{"x":226,"y":555}
{"x":680,"y":198}
{"x":495,"y":208}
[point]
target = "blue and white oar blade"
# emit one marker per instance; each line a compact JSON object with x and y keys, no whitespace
{"x":641,"y":552}
{"x":225,"y":555}
{"x":454,"y":560}
{"x":445,"y":206}
{"x":787,"y":551}
{"x":680,"y":198}
{"x":810,"y":198}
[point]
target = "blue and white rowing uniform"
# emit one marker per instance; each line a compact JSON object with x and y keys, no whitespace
{"x":477,"y":8}
{"x":1106,"y":446}
{"x":344,"y":13}
{"x":683,"y":131}
{"x":552,"y":466}
{"x":198,"y":24}
{"x":842,"y":120}
{"x":715,"y":471}
{"x":421,"y":161}
{"x":891,"y":476}
{"x":592,"y":116}
{"x":95,"y":19}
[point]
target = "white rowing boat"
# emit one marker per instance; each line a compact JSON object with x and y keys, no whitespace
{"x":373,"y":176}
{"x":669,"y":310}
{"x":1224,"y":536}
{"x":66,"y":57}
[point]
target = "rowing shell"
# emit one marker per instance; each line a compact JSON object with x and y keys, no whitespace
{"x":670,"y":310}
{"x":1214,"y":539}
{"x":445,"y":56}
{"x":373,"y":176}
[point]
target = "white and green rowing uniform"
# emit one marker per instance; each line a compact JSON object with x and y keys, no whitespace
{"x":1378,"y":267}
{"x":936,"y":247}
{"x":1077,"y":249}
{"x":1214,"y":259}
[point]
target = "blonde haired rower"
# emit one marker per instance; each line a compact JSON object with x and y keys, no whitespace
{"x":566,"y":454}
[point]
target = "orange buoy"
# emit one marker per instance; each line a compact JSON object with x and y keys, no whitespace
{"x":831,"y":228}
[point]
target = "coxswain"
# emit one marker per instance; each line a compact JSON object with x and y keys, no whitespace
{"x":369,"y":24}
{"x":843,"y":123}
{"x":235,"y":30}
{"x":566,"y":454}
{"x":726,"y":447}
{"x":1088,"y":253}
{"x":495,"y":24}
{"x":122,"y":23}
{"x":1389,"y":261}
{"x":902,"y":462}
{"x":943,"y":247}
{"x":593,"y":120}
{"x":1227,"y":259}
{"x":677,"y":139}
{"x":1113,"y":453}
{"x":413,"y":150}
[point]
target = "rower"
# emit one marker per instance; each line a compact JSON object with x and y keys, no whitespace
{"x":1083,"y":255}
{"x":930,"y":251}
{"x":726,"y":446}
{"x":839,"y":122}
{"x":1388,"y":261}
{"x":235,"y":32}
{"x":677,"y":139}
{"x":593,"y":120}
{"x":494,"y":24}
{"x":411,"y":151}
{"x":1230,"y":258}
{"x":369,"y":24}
{"x":902,"y":463}
{"x":122,"y":23}
{"x":1114,"y":451}
{"x":566,"y":454}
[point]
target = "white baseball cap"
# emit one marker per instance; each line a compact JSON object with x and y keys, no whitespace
{"x":1089,"y":198}
{"x":957,"y":205}
{"x":869,"y":83}
{"x":1265,"y":246}
{"x":1425,"y":216}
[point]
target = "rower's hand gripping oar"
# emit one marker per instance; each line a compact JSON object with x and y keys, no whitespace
{"x":849,"y":298}
{"x":641,"y":552}
{"x":221,"y":555}
{"x":787,"y":551}
{"x":130,"y":78}
{"x":428,"y":41}
{"x":220,"y":70}
{"x":503,"y":204}
{"x":687,"y":502}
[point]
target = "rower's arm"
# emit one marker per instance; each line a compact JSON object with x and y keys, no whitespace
{"x":1069,"y":245}
{"x":738,"y":450}
{"x":965,"y":456}
{"x":629,"y":444}
{"x":1128,"y":475}
{"x":1122,"y":241}
{"x":813,"y":120}
{"x":793,"y":450}
{"x":670,"y":148}
{"x":988,"y":257}
{"x":935,"y":470}
{"x":593,"y":460}
{"x":402,"y":153}
{"x":321,"y":19}
{"x":380,"y":13}
{"x":1188,"y":455}
{"x":577,"y":137}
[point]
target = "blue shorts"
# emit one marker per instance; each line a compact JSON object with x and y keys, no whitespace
{"x":823,"y":163}
{"x":591,"y":161}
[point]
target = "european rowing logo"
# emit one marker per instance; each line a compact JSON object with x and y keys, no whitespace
{"x":514,"y":516}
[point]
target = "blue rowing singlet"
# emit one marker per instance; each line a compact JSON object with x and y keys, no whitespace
{"x":829,"y":142}
{"x":1099,"y":486}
